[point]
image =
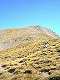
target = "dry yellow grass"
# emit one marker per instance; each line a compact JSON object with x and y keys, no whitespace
{"x":34,"y":56}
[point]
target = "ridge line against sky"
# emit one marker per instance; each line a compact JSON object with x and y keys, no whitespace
{"x":16,"y":13}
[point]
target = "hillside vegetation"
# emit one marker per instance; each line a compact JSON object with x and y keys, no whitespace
{"x":29,"y":54}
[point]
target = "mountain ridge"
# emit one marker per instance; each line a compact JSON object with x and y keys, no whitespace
{"x":12,"y":37}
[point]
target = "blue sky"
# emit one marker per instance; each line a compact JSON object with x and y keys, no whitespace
{"x":18,"y":13}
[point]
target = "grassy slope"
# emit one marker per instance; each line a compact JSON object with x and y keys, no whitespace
{"x":34,"y":59}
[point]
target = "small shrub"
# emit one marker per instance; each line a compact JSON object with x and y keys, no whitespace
{"x":54,"y":78}
{"x":28,"y":71}
{"x":11,"y":70}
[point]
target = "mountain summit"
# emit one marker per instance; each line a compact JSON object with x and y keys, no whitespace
{"x":11,"y":37}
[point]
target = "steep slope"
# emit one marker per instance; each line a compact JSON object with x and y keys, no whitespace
{"x":13,"y":37}
{"x":31,"y":54}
